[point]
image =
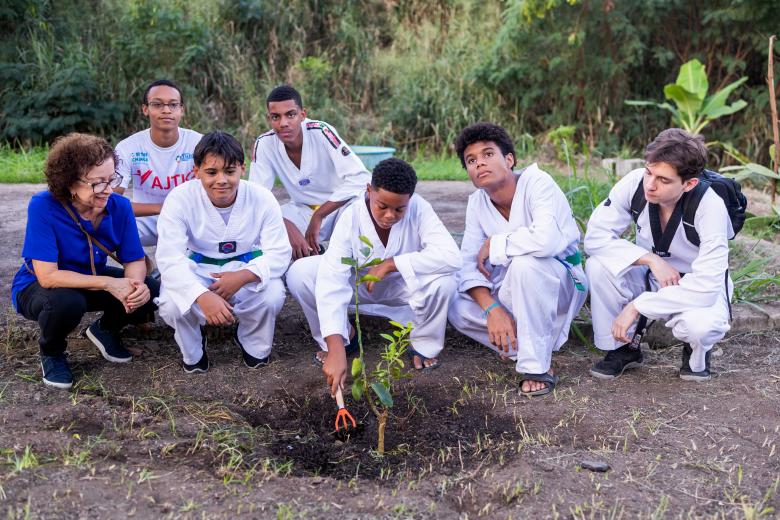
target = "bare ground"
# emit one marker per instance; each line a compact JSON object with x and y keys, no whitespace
{"x":145,"y":440}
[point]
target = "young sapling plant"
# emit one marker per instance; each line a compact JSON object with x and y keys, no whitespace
{"x":390,"y":368}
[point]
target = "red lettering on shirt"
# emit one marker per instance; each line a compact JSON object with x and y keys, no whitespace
{"x":168,"y":185}
{"x":175,"y":179}
{"x":156,"y":183}
{"x":144,"y":175}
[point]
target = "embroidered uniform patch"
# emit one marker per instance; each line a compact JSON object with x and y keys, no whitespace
{"x":304,"y":182}
{"x":334,"y":141}
{"x":345,"y":151}
{"x":227,"y":248}
{"x":607,"y":202}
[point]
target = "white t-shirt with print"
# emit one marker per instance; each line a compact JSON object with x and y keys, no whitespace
{"x":152,"y":170}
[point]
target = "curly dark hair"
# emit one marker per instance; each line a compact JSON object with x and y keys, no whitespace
{"x":484,"y":132}
{"x":394,"y":175}
{"x":71,"y":157}
{"x":684,"y":151}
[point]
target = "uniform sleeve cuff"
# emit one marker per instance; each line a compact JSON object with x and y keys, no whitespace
{"x":498,"y":249}
{"x":404,"y":266}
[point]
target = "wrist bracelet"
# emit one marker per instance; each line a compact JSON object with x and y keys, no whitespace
{"x":490,"y":308}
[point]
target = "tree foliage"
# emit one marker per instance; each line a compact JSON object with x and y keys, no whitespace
{"x":409,"y":72}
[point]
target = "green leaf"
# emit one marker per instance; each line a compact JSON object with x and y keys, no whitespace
{"x":693,"y":78}
{"x":357,"y":390}
{"x":761,"y":170}
{"x":384,"y":396}
{"x":687,"y":103}
{"x":372,"y":263}
{"x":636,"y":103}
{"x":365,"y":251}
{"x":388,"y":337}
{"x":727,"y":110}
{"x":369,"y":278}
{"x":366,"y":241}
{"x":396,"y":324}
{"x":714,"y":103}
{"x":357,"y":367}
{"x":349,"y":261}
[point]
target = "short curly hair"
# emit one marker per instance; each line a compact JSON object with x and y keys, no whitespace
{"x":71,"y":157}
{"x":684,"y":151}
{"x":394,"y":175}
{"x":484,"y":132}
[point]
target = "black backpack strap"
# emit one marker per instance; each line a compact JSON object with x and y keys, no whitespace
{"x":690,"y":206}
{"x":638,"y":202}
{"x":641,"y":325}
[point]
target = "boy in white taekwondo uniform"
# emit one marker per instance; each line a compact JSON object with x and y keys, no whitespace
{"x":222,"y":251}
{"x":522,"y":282}
{"x":695,"y":305}
{"x":317,"y":168}
{"x":419,"y":256}
{"x":156,"y":159}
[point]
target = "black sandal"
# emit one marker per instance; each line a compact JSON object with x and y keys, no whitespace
{"x":547,"y":378}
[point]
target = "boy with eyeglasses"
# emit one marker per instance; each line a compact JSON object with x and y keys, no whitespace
{"x":222,"y":252}
{"x":157,"y":159}
{"x":318,"y":169}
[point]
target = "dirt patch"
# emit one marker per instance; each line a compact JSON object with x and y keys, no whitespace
{"x":145,"y":440}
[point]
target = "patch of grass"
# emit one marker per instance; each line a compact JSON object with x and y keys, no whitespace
{"x":19,"y":166}
{"x":439,"y":168}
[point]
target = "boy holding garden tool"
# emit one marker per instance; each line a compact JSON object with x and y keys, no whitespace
{"x":317,"y":168}
{"x":677,"y":270}
{"x":413,"y":282}
{"x":222,"y":252}
{"x":522,"y":282}
{"x":157,"y":159}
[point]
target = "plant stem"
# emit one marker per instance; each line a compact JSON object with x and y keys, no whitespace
{"x":770,"y":79}
{"x":380,"y":444}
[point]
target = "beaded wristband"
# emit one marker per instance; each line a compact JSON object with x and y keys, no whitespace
{"x":490,"y":308}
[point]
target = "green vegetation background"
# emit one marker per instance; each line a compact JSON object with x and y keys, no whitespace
{"x":409,"y":73}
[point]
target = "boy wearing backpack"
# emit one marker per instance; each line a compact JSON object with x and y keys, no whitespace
{"x":677,"y":271}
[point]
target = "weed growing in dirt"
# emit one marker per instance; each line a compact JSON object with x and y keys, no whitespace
{"x":390,"y":368}
{"x":27,"y":460}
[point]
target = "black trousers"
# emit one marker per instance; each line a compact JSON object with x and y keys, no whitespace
{"x":59,"y":311}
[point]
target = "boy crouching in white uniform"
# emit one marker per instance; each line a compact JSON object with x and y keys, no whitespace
{"x":522,"y":282}
{"x":419,"y":257}
{"x":222,"y":252}
{"x":688,"y":283}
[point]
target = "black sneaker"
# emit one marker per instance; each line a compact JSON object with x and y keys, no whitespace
{"x":616,"y":362}
{"x":201,"y":366}
{"x":56,"y":371}
{"x":686,"y":373}
{"x":108,"y":343}
{"x":249,"y":360}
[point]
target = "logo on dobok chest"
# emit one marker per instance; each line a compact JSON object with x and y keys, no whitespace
{"x":227,"y":248}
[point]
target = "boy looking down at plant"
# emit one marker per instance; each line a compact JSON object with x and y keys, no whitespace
{"x":415,"y":276}
{"x":663,"y":276}
{"x":522,"y":282}
{"x":222,"y":252}
{"x":317,"y":168}
{"x":157,"y":159}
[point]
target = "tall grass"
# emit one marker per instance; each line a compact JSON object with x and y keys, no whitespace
{"x":22,"y":166}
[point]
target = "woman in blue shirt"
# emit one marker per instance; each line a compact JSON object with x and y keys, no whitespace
{"x":71,"y":228}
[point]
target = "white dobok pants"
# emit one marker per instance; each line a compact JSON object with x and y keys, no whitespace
{"x":426,"y":307}
{"x":542,"y":298}
{"x":147,"y":230}
{"x":256,"y":312}
{"x":700,"y":327}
